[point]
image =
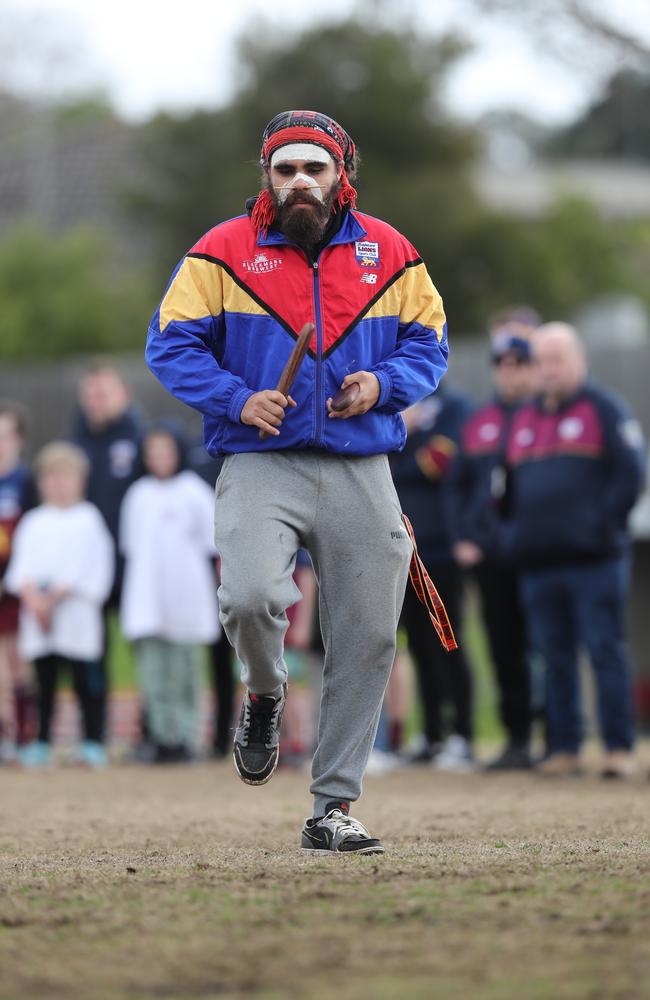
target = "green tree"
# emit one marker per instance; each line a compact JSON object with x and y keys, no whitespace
{"x":616,"y":126}
{"x":58,"y":296}
{"x":384,"y":86}
{"x":555,"y":263}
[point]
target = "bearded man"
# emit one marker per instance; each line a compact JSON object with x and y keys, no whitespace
{"x":319,"y":477}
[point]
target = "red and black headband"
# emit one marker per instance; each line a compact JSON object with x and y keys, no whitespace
{"x":307,"y":126}
{"x":291,"y":127}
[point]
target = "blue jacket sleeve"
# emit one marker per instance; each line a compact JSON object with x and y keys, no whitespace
{"x":182,"y":342}
{"x":419,"y":361}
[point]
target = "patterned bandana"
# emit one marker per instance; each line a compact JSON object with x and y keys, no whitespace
{"x":311,"y":127}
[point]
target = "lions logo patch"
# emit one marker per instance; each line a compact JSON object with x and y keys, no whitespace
{"x":366,"y":253}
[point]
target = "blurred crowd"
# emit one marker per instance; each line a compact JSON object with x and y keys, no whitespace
{"x":524,"y":496}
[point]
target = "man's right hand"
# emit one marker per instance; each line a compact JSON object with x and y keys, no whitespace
{"x":265,"y":410}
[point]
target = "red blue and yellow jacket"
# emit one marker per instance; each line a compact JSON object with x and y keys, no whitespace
{"x":236,"y":303}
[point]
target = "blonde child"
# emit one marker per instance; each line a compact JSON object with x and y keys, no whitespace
{"x":62,"y":568}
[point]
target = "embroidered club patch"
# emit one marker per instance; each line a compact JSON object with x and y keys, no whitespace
{"x":366,"y":253}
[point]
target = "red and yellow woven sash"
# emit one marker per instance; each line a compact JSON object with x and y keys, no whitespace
{"x":428,"y":595}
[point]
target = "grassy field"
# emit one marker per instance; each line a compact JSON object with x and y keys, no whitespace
{"x":184,"y":884}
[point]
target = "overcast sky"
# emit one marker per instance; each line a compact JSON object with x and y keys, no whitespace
{"x":148,"y":55}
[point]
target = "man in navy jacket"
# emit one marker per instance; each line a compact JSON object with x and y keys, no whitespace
{"x":480,"y":500}
{"x":108,"y":427}
{"x":575,"y":468}
{"x":421,"y":473}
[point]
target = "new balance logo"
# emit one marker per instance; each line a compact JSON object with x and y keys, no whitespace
{"x":368,"y":278}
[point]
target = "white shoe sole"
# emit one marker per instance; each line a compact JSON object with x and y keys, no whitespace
{"x":262,"y":781}
{"x":320,"y":851}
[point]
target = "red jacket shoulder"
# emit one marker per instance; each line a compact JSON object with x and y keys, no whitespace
{"x":378,"y":230}
{"x":234,"y":233}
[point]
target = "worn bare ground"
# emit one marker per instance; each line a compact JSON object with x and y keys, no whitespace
{"x":183,"y":883}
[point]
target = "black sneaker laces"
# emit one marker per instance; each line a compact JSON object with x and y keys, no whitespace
{"x":259,"y":722}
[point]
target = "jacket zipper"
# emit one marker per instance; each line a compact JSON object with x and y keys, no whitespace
{"x":318,"y":440}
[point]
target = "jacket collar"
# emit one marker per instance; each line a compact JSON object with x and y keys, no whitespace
{"x":350,"y":231}
{"x":566,"y":403}
{"x":510,"y":407}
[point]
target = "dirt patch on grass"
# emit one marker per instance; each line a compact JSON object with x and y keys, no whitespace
{"x":142,"y":883}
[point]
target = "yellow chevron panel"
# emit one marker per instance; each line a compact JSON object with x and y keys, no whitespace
{"x":421,"y":301}
{"x":194,"y":293}
{"x":413,"y":298}
{"x":389,"y":303}
{"x":236,"y":300}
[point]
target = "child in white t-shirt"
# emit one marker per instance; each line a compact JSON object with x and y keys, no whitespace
{"x":169,"y":597}
{"x":62,"y":568}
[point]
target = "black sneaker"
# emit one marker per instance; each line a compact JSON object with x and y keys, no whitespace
{"x":257,"y":737}
{"x":338,"y":833}
{"x":515,"y":757}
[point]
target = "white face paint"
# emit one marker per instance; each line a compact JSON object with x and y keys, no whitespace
{"x":302,"y":152}
{"x":314,"y":187}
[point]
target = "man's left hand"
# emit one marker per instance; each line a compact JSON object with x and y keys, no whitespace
{"x":368,"y":395}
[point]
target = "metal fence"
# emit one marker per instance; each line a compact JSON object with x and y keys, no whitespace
{"x":49,"y":390}
{"x":49,"y":393}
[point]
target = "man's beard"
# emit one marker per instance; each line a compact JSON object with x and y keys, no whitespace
{"x":304,"y":226}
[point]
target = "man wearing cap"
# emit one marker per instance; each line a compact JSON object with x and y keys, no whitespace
{"x":480,"y":500}
{"x":320,"y":479}
{"x":575,"y":462}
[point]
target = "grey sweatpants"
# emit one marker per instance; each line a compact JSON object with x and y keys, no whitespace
{"x":345,"y":511}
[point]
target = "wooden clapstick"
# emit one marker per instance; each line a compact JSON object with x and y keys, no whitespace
{"x":345,"y":397}
{"x":288,"y":376}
